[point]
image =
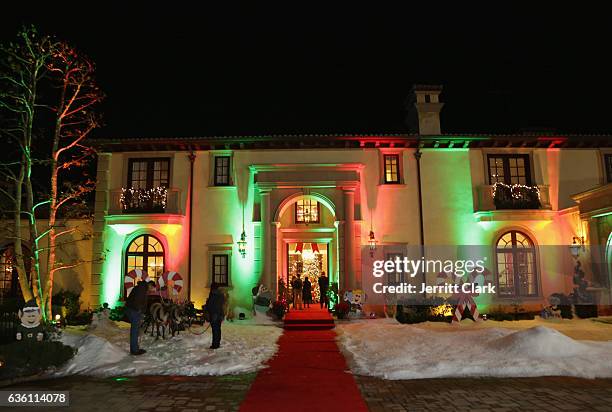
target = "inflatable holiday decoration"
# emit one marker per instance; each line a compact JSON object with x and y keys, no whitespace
{"x":30,"y":328}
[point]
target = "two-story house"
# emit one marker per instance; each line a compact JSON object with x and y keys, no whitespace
{"x":244,"y":210}
{"x":311,"y":203}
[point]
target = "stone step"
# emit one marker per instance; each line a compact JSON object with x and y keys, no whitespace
{"x":309,"y":326}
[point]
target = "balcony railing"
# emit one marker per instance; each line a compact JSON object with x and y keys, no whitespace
{"x":508,"y":197}
{"x":137,"y":201}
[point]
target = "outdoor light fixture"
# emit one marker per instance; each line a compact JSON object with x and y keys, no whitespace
{"x":372,"y":242}
{"x":577,"y":245}
{"x":242,"y":244}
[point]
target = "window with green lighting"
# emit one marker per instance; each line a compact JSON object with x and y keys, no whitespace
{"x":516,"y":265}
{"x":145,"y":252}
{"x":392,"y":168}
{"x":220,"y":269}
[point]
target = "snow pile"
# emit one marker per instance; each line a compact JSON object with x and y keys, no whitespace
{"x":387,"y":349}
{"x":104,"y":351}
{"x":539,"y":341}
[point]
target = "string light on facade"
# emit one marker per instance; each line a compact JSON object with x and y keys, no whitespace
{"x":516,"y":190}
{"x":141,"y":198}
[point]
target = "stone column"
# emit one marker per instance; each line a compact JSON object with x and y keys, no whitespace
{"x":101,"y":210}
{"x":266,"y":255}
{"x":349,"y":238}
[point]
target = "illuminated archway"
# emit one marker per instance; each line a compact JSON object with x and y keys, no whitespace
{"x":145,"y":252}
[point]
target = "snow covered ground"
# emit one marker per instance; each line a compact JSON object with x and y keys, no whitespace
{"x":387,"y":349}
{"x":104,"y":351}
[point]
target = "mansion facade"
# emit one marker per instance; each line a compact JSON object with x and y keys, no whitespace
{"x":241,"y":211}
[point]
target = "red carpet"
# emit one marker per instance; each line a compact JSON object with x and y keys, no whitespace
{"x":308,"y":373}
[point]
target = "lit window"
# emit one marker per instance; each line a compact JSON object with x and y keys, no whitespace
{"x":392,"y":174}
{"x":145,"y":252}
{"x":307,"y":211}
{"x":8,"y":274}
{"x":516,"y":265}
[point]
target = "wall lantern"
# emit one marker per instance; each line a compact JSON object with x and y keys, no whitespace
{"x":372,"y":242}
{"x":577,"y":245}
{"x":242,"y":244}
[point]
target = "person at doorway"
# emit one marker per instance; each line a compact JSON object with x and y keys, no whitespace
{"x":297,"y":293}
{"x":307,"y":293}
{"x":135,"y":305}
{"x":214,"y":309}
{"x":323,"y":286}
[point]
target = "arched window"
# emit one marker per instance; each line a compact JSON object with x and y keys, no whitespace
{"x":9,"y":280}
{"x":145,"y":252}
{"x":516,"y":265}
{"x":8,"y":274}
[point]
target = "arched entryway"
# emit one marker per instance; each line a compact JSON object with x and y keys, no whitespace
{"x":307,"y":239}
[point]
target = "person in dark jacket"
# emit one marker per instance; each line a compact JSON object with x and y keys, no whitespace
{"x":135,"y":307}
{"x":214,"y":309}
{"x":307,"y":292}
{"x":323,"y":286}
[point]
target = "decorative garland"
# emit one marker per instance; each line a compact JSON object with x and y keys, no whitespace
{"x":515,"y":189}
{"x":140,"y":198}
{"x":516,"y":196}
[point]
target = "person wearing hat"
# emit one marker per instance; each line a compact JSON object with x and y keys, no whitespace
{"x":135,"y":306}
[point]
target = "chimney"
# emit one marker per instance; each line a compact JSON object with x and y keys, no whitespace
{"x":424,"y":109}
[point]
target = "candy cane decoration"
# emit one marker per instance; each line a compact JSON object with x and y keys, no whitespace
{"x":132,"y":278}
{"x":466,"y":300}
{"x":172,"y":280}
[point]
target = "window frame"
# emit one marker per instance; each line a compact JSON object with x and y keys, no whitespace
{"x":396,"y":156}
{"x":295,"y":213}
{"x":225,"y":256}
{"x":10,"y":291}
{"x":150,"y":170}
{"x":515,"y":273}
{"x":506,"y":166}
{"x":229,"y":170}
{"x":145,"y":256}
{"x":389,"y":256}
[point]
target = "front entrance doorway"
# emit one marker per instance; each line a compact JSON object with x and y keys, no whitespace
{"x":307,"y":260}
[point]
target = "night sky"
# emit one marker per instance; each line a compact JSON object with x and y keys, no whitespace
{"x":192,"y":72}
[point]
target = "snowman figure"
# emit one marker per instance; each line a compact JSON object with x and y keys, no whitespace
{"x":30,"y":328}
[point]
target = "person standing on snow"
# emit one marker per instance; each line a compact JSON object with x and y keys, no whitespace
{"x":214,"y":309}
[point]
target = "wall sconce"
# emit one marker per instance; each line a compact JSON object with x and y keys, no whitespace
{"x":577,"y":245}
{"x":372,"y":242}
{"x":242,"y":244}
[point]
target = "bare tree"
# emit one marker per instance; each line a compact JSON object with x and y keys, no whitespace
{"x":75,"y":118}
{"x":24,"y":65}
{"x":65,"y":116}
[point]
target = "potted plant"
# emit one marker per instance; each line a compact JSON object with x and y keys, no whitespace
{"x":342,"y":309}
